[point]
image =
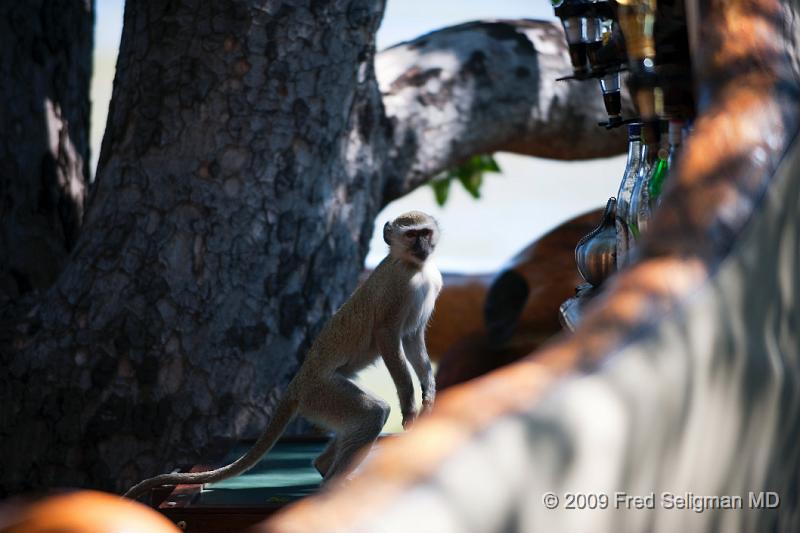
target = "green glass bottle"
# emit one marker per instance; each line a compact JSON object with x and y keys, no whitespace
{"x":656,"y":179}
{"x":665,"y":162}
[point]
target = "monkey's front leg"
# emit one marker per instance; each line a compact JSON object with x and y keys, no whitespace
{"x":391,"y":349}
{"x":417,"y":355}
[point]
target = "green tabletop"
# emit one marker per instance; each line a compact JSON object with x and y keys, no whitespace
{"x":284,"y":475}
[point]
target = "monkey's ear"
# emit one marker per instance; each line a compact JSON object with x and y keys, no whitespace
{"x":387,"y":233}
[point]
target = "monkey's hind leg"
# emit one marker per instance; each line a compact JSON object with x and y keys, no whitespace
{"x":356,"y":416}
{"x":324,"y":461}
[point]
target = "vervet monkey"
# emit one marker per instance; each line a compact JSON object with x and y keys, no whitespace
{"x":386,"y":315}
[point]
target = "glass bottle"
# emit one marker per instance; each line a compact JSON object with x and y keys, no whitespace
{"x":575,"y":28}
{"x":638,"y":212}
{"x":624,"y":239}
{"x":665,"y":162}
{"x":612,"y":98}
{"x":637,"y":19}
{"x":596,"y":29}
{"x":599,"y":29}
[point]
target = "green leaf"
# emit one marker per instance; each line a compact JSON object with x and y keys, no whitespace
{"x":469,"y":173}
{"x":488,"y":163}
{"x":441,"y":189}
{"x":472,"y":183}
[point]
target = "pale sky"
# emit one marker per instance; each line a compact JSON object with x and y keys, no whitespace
{"x":403,"y":20}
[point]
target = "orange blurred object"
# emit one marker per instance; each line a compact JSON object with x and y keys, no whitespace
{"x":88,"y":511}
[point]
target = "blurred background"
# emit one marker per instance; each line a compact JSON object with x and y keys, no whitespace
{"x":529,"y":197}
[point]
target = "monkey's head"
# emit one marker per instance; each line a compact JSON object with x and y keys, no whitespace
{"x":412,"y":236}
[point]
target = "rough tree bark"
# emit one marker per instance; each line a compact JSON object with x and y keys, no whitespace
{"x":45,"y":67}
{"x":246,"y":155}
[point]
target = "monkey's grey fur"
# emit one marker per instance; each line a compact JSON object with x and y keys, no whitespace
{"x":386,"y":315}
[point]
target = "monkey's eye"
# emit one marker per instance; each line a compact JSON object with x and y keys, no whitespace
{"x":425,"y":232}
{"x":411,"y":234}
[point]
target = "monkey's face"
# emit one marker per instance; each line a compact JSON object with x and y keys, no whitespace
{"x":412,"y":237}
{"x":419,"y":243}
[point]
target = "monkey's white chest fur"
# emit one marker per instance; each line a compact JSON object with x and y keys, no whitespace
{"x":425,"y":286}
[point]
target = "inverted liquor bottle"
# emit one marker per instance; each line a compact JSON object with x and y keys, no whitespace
{"x":625,"y":193}
{"x":606,"y":65}
{"x":599,"y":28}
{"x":575,"y":28}
{"x":573,"y":18}
{"x":594,"y":39}
{"x":612,"y":98}
{"x":636,"y":19}
{"x":605,"y":56}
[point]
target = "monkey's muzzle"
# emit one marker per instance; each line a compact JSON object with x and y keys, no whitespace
{"x":420,"y":251}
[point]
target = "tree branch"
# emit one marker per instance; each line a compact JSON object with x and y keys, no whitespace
{"x":482,"y":87}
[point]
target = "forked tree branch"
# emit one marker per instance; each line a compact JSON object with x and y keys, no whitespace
{"x":482,"y":87}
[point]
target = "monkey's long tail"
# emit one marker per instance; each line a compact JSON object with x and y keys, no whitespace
{"x":283,"y":415}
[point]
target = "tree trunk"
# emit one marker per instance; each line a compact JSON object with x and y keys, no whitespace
{"x":227,"y":221}
{"x":45,"y":67}
{"x":246,"y":156}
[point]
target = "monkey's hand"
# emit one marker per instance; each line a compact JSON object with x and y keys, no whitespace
{"x":409,"y":417}
{"x":427,"y":405}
